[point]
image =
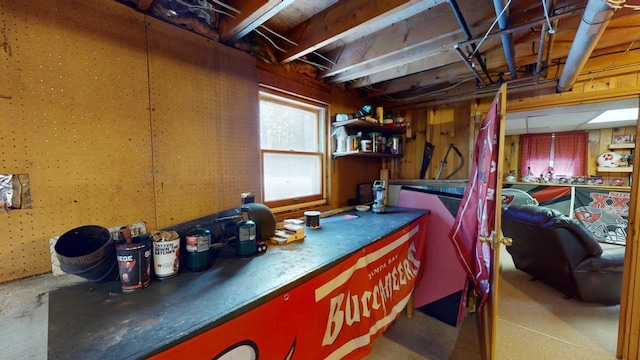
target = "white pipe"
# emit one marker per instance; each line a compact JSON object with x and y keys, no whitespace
{"x":595,"y":19}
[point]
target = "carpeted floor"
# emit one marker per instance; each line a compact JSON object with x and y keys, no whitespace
{"x":534,"y":322}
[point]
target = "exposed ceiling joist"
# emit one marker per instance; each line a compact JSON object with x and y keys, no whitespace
{"x":414,"y":32}
{"x":402,"y":53}
{"x":253,"y":13}
{"x":345,"y":18}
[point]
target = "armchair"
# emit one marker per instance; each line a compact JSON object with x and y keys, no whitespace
{"x":559,"y":251}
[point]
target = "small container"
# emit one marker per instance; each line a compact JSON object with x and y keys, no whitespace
{"x":380,"y":114}
{"x":245,"y":235}
{"x":353,"y":142}
{"x":376,"y":142}
{"x":198,"y":247}
{"x":166,"y":258}
{"x":312,"y":219}
{"x":395,"y":145}
{"x":365,"y":145}
{"x":134,"y":263}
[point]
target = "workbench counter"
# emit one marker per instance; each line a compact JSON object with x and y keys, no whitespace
{"x":91,"y":321}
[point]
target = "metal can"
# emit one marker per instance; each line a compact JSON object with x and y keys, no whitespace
{"x":198,"y":247}
{"x":395,"y":144}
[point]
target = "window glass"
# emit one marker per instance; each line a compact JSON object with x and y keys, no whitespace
{"x":291,"y":145}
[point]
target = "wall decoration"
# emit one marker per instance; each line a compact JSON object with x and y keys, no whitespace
{"x":623,"y":139}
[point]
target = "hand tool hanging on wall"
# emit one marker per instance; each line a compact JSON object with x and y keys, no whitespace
{"x":444,"y":162}
{"x":426,"y":158}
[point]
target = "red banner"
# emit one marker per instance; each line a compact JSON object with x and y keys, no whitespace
{"x":335,"y":315}
{"x":476,"y":214}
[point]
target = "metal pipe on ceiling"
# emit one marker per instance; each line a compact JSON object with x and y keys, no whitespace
{"x":507,"y":39}
{"x":544,"y":36}
{"x":467,"y":62}
{"x":595,"y":19}
{"x":467,"y":33}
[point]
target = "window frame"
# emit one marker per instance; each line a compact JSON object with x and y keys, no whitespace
{"x":299,"y":102}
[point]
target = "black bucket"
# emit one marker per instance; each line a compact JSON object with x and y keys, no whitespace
{"x":88,"y":252}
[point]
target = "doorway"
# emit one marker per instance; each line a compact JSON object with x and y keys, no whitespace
{"x":535,"y":321}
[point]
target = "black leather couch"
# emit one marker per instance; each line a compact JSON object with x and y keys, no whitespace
{"x":559,"y":251}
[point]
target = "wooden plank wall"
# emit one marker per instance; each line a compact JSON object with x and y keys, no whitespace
{"x":116,"y":127}
{"x":442,"y":125}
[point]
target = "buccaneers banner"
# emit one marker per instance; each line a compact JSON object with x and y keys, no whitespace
{"x":555,"y":197}
{"x":335,"y":315}
{"x":476,"y":213}
{"x":603,"y":212}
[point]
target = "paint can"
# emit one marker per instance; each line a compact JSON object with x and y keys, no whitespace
{"x":312,"y":219}
{"x":134,"y":263}
{"x":166,"y":258}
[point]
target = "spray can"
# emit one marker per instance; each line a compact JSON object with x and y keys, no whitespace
{"x":245,"y":235}
{"x":198,"y":244}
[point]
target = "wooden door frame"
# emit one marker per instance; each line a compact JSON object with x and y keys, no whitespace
{"x":628,"y":347}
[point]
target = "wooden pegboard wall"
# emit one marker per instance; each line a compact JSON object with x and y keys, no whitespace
{"x":112,"y":134}
{"x":74,"y":114}
{"x":204,"y":115}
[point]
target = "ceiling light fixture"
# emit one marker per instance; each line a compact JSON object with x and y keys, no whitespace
{"x":616,"y":115}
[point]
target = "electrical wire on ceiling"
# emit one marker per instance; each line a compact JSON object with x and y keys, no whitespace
{"x":269,"y":40}
{"x":546,"y":16}
{"x":322,"y":67}
{"x":210,"y":8}
{"x":491,"y":27}
{"x":611,"y":66}
{"x":220,"y":3}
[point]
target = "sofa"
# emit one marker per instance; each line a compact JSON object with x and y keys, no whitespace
{"x":560,"y":252}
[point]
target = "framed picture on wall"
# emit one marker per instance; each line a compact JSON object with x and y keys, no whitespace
{"x":623,"y":139}
{"x":365,"y":195}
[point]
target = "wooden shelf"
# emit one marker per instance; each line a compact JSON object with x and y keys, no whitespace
{"x":363,"y":125}
{"x":621,"y":146}
{"x":619,"y":169}
{"x":365,"y":154}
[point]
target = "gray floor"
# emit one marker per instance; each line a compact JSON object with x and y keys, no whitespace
{"x":24,"y":312}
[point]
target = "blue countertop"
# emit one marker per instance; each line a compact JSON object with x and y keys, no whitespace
{"x":90,"y":320}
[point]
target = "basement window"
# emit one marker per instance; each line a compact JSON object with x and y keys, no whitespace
{"x":292,"y":155}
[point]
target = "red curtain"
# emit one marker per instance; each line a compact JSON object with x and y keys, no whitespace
{"x":535,"y":153}
{"x":566,"y":154}
{"x":571,"y":154}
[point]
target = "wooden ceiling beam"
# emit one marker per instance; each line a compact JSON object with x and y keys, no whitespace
{"x":253,"y":13}
{"x":398,"y":65}
{"x":450,"y":73}
{"x":437,"y":26}
{"x":425,"y":64}
{"x":346,"y":18}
